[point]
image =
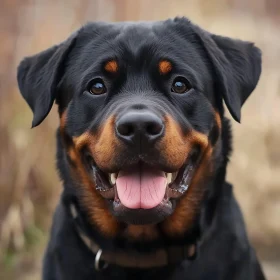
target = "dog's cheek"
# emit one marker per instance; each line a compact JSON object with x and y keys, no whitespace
{"x":90,"y":199}
{"x":106,"y":148}
{"x":188,"y":207}
{"x":172,"y":146}
{"x":176,"y":146}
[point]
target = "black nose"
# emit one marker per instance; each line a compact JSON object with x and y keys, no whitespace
{"x":139,"y":127}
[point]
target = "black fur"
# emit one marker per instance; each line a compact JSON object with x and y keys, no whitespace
{"x":218,"y":68}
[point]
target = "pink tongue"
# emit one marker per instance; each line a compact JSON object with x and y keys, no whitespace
{"x":141,"y":187}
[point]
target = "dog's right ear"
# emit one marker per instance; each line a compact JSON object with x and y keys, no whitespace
{"x":39,"y":75}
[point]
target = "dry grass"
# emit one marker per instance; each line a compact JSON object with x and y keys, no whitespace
{"x":29,"y":185}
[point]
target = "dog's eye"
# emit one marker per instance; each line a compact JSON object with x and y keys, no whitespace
{"x":180,"y":85}
{"x":97,"y":87}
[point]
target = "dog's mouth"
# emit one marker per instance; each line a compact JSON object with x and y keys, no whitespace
{"x":144,"y":194}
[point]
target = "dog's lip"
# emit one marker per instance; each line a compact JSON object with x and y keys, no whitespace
{"x":142,"y":216}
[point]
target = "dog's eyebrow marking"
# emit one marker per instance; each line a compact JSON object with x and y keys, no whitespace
{"x":165,"y":67}
{"x":111,"y":66}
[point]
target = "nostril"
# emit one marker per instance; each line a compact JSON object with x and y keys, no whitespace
{"x":125,"y":129}
{"x":154,"y":128}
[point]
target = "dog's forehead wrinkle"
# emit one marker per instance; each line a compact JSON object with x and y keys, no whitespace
{"x":137,"y":99}
{"x":135,"y":40}
{"x":139,"y":96}
{"x":137,"y":83}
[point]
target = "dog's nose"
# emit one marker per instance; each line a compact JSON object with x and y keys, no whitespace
{"x":139,"y":127}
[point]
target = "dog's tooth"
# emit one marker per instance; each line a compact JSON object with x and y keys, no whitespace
{"x":169,"y":178}
{"x":113,"y":178}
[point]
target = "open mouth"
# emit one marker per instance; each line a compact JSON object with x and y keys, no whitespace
{"x":142,"y":194}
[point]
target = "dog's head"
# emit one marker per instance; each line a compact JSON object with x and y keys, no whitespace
{"x":141,"y":111}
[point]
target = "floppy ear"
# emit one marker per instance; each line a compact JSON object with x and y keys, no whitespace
{"x":237,"y":65}
{"x":39,"y":75}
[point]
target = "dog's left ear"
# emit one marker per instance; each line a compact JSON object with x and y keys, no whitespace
{"x":39,"y":75}
{"x":237,"y":66}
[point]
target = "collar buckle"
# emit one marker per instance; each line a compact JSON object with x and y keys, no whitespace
{"x":97,"y":264}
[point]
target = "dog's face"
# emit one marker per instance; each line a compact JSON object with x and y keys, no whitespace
{"x":140,"y":109}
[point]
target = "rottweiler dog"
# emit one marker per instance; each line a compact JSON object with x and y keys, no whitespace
{"x":142,"y":151}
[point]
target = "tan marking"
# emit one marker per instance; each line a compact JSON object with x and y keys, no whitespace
{"x":198,"y":138}
{"x":111,"y":66}
{"x":72,"y":154}
{"x":186,"y":210}
{"x":146,"y":232}
{"x":165,"y":67}
{"x":63,"y":120}
{"x":218,"y":120}
{"x":94,"y":203}
{"x":175,"y":147}
{"x":82,"y":140}
{"x":106,"y":145}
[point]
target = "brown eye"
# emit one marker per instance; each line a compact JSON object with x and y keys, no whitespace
{"x":97,"y":87}
{"x":180,"y":85}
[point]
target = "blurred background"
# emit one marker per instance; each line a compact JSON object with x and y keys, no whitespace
{"x":29,"y":185}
